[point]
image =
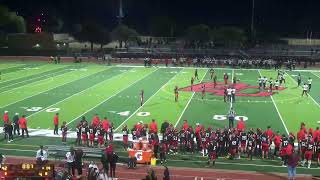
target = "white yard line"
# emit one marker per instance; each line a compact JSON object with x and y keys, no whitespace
{"x":112,"y":95}
{"x":29,"y":80}
{"x":147,"y":101}
{"x":91,"y":87}
{"x":275,"y":105}
{"x":315,"y":74}
{"x":309,"y":96}
{"x":47,"y":89}
{"x":185,"y":108}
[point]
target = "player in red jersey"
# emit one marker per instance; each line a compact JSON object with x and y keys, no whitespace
{"x":125,"y":136}
{"x":283,"y":151}
{"x":192,"y":80}
{"x":64,"y":130}
{"x":78,"y":130}
{"x":318,"y":152}
{"x":251,"y":146}
{"x":141,"y":97}
{"x":225,"y":78}
{"x":203,"y":142}
{"x":265,"y":143}
{"x":277,"y":144}
{"x":91,"y":135}
{"x":308,"y":154}
{"x":111,"y":128}
{"x":233,"y":146}
{"x":84,"y":134}
{"x":212,"y":152}
{"x":243,"y":142}
{"x":100,"y":133}
{"x":303,"y":146}
{"x":174,"y":143}
{"x":203,"y":91}
{"x":176,"y":94}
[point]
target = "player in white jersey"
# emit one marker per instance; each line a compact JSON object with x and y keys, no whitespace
{"x":305,"y":89}
{"x":276,"y":84}
{"x":309,"y":83}
{"x":264,"y":82}
{"x":229,"y":93}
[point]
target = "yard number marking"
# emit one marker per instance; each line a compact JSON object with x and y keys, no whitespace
{"x":224,"y":117}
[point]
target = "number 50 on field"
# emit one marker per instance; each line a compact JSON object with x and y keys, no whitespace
{"x":224,"y":117}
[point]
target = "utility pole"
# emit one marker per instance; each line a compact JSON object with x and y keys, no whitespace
{"x":120,"y":16}
{"x":252,"y":21}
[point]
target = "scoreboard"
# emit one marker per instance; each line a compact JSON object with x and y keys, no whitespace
{"x":27,"y":171}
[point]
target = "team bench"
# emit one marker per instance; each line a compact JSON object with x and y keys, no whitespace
{"x":59,"y":152}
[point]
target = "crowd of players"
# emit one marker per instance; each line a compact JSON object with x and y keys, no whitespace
{"x":232,"y":142}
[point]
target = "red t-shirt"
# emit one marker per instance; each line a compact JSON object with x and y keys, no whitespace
{"x":277,"y":140}
{"x":185,"y":126}
{"x":241,"y":126}
{"x":6,"y":118}
{"x":105,"y":125}
{"x":23,"y":123}
{"x":153,"y":127}
{"x":55,"y":120}
{"x":95,"y":121}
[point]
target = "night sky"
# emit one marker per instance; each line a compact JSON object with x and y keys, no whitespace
{"x":286,"y":17}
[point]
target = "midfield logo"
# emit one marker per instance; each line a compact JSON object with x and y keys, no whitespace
{"x":218,"y":90}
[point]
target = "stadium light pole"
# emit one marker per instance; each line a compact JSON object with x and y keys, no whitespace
{"x":252,"y":20}
{"x":120,"y":16}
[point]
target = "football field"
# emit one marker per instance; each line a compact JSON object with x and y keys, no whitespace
{"x":40,"y":90}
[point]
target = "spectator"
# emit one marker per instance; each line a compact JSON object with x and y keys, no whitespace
{"x":293,"y":160}
{"x":23,"y":125}
{"x":164,"y":126}
{"x":70,"y":156}
{"x":5,"y":117}
{"x":93,"y":171}
{"x":15,"y":121}
{"x":103,"y":175}
{"x":78,"y":160}
{"x":166,"y":173}
{"x":42,"y":156}
{"x":2,"y":159}
{"x":56,"y":124}
{"x":153,"y":127}
{"x":150,"y":175}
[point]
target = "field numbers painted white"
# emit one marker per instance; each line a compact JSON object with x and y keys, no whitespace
{"x":53,"y":110}
{"x":239,"y":74}
{"x":124,"y":113}
{"x":143,"y":114}
{"x":224,"y":117}
{"x":36,"y":109}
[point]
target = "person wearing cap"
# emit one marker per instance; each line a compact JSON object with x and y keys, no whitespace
{"x":5,"y":117}
{"x":15,"y":120}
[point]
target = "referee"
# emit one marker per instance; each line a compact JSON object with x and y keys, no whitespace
{"x":231,"y":117}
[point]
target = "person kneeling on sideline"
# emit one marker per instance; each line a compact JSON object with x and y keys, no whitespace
{"x":42,"y":156}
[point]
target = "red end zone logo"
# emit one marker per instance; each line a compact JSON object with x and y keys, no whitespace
{"x":219,"y":89}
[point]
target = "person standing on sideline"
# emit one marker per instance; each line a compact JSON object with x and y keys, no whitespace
{"x":70,"y":161}
{"x":9,"y":131}
{"x":166,"y":173}
{"x":293,"y":161}
{"x":231,"y":117}
{"x":5,"y":117}
{"x":309,"y":83}
{"x":56,"y":124}
{"x":15,"y":121}
{"x":78,"y":160}
{"x":23,"y":125}
{"x":113,"y":159}
{"x":299,"y":79}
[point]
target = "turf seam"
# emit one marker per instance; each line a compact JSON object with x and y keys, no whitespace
{"x":112,"y":95}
